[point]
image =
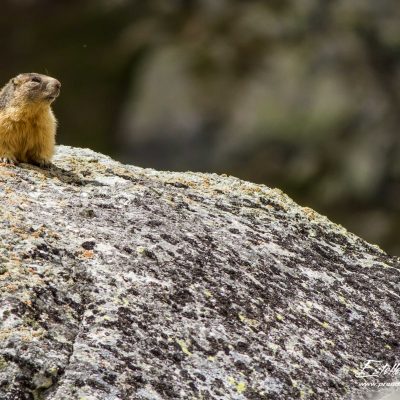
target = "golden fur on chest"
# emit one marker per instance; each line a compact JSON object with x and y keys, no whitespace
{"x":27,"y":134}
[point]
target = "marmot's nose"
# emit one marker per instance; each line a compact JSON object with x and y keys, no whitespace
{"x":57,"y":84}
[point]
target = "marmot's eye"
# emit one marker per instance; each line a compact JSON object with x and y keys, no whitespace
{"x":36,"y":79}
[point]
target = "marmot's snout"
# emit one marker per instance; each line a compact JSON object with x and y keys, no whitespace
{"x":53,"y":87}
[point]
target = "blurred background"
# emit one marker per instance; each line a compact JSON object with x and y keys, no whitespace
{"x":303,"y":95}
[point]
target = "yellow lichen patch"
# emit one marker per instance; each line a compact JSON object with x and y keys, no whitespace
{"x":310,"y":213}
{"x":38,"y":333}
{"x":240,"y":386}
{"x":354,"y":371}
{"x":184,"y":347}
{"x":140,"y":250}
{"x":304,"y":393}
{"x":325,"y":325}
{"x":279,"y":317}
{"x":248,"y":321}
{"x":36,"y":234}
{"x":24,"y":334}
{"x":342,"y":300}
{"x":206,"y":182}
{"x":207,"y":293}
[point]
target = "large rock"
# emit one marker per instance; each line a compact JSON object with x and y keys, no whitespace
{"x":124,"y":283}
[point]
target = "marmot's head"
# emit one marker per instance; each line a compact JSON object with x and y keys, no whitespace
{"x":35,"y":88}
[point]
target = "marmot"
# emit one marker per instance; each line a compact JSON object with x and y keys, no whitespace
{"x":27,"y":123}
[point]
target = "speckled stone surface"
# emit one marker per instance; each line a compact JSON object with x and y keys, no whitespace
{"x":120,"y":283}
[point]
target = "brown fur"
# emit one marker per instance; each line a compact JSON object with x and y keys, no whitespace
{"x":27,"y":123}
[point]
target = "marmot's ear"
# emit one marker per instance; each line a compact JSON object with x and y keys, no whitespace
{"x":13,"y":81}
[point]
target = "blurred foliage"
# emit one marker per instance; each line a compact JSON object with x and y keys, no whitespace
{"x":303,"y":95}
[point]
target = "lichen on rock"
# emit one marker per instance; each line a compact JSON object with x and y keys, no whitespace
{"x":118,"y":283}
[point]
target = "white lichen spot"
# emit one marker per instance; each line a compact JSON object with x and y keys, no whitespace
{"x":274,"y":347}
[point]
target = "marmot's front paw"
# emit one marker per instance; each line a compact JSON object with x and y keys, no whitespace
{"x":42,"y":163}
{"x":8,"y":160}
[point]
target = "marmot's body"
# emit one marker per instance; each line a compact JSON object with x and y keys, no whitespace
{"x":27,"y":123}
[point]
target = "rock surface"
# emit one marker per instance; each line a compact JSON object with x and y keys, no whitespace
{"x":126,"y":283}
